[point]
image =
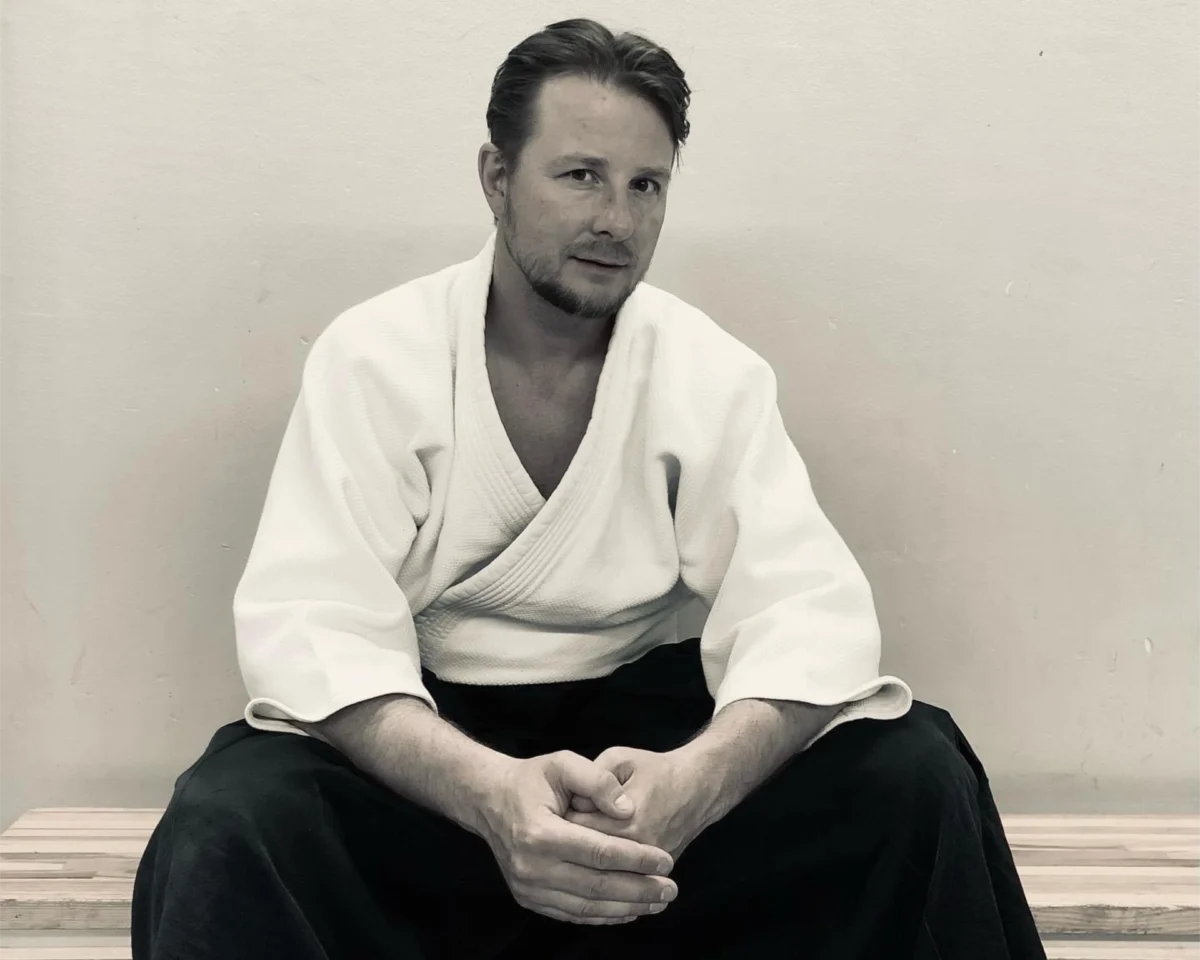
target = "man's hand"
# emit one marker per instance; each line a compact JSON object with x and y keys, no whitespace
{"x":680,"y":793}
{"x":565,"y":870}
{"x":670,"y":806}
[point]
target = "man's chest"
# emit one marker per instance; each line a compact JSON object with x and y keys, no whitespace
{"x":545,"y":421}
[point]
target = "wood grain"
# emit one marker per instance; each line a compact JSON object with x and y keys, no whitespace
{"x":1114,"y":950}
{"x":82,"y":952}
{"x":1084,"y":875}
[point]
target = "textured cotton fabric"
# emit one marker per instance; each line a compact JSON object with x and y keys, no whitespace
{"x":400,"y":532}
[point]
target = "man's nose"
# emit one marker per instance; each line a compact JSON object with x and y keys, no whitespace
{"x":616,"y":216}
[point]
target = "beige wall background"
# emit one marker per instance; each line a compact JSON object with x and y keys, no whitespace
{"x":964,"y":234}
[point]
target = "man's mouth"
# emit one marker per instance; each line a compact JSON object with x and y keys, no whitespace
{"x":610,"y":264}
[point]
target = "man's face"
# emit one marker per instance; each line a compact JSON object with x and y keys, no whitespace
{"x":590,"y":185}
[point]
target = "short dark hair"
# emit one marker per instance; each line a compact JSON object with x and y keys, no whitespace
{"x":582,"y":47}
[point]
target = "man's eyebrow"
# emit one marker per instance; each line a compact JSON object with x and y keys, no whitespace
{"x":602,"y":164}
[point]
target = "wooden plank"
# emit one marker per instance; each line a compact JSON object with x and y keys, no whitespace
{"x":1098,"y":819}
{"x":1167,"y":871}
{"x":1071,"y":918}
{"x":58,"y":849}
{"x":1162,"y":868}
{"x":1081,"y":856}
{"x":112,"y":813}
{"x":1068,"y":848}
{"x":1116,"y":877}
{"x":31,"y":868}
{"x":1129,"y":840}
{"x":98,"y":821}
{"x":1164,"y":826}
{"x":1091,"y":889}
{"x":44,"y":827}
{"x":57,"y":939}
{"x":1174,"y":900}
{"x":99,"y":904}
{"x":102,"y":888}
{"x":66,"y":953}
{"x":40,"y":869}
{"x":133,"y":821}
{"x":72,"y":810}
{"x":1117,"y":950}
{"x":73,"y":833}
{"x":1122,"y":841}
{"x":82,"y":868}
{"x":94,"y":823}
{"x":105,"y":866}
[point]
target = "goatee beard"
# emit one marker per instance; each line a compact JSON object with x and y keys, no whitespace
{"x":549,"y":288}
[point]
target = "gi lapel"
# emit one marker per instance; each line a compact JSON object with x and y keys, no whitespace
{"x":544,"y":525}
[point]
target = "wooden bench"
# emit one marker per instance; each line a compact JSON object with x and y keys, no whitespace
{"x":1101,"y":887}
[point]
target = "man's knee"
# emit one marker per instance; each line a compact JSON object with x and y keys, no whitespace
{"x":915,"y":764}
{"x":256,"y":794}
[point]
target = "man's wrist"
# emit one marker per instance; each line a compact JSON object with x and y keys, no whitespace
{"x":404,"y":744}
{"x":484,"y":791}
{"x":707,"y":764}
{"x":744,"y":745}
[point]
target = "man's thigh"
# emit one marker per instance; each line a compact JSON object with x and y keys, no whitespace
{"x":293,"y":791}
{"x":273,"y":835}
{"x":834,"y":800}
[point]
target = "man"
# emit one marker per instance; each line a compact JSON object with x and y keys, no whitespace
{"x":472,"y":730}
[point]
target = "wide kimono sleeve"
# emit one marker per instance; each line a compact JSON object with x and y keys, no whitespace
{"x":320,"y":620}
{"x":791,"y":614}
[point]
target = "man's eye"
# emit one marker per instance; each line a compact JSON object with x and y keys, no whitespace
{"x":655,"y":186}
{"x":585,"y":173}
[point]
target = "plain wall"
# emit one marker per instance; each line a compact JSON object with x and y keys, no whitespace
{"x":964,"y":234}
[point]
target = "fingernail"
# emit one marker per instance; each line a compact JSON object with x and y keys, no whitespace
{"x":623,"y":802}
{"x":667,"y":895}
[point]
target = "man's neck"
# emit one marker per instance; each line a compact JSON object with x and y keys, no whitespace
{"x":531,"y":332}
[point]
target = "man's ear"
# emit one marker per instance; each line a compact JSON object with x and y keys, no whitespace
{"x":493,"y":178}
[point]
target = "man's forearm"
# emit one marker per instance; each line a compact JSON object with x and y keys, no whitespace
{"x":746,"y":743}
{"x":404,"y":744}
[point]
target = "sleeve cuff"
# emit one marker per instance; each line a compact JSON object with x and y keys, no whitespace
{"x":885,"y":698}
{"x":391,"y":675}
